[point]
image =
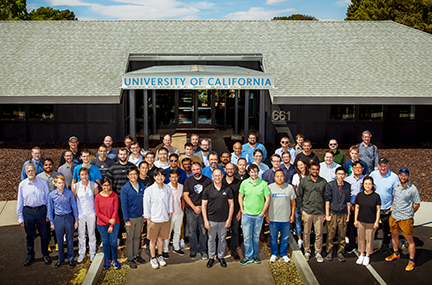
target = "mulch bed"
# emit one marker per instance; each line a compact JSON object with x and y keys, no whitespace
{"x":12,"y":157}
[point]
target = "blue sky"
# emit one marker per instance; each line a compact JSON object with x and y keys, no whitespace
{"x":196,"y":9}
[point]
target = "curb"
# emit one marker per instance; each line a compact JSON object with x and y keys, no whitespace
{"x":302,"y":266}
{"x":95,"y":270}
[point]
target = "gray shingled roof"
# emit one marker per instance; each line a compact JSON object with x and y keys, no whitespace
{"x":313,"y":62}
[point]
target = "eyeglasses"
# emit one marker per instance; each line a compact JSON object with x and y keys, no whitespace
{"x":172,"y":160}
{"x":284,"y":142}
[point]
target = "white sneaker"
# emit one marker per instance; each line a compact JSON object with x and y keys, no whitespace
{"x":307,"y":256}
{"x":366,"y":261}
{"x":161,"y":260}
{"x":319,"y":258}
{"x":154,"y":263}
{"x":273,"y":258}
{"x":92,"y":256}
{"x":300,"y":243}
{"x":80,"y":258}
{"x":182,"y":243}
{"x":286,"y":259}
{"x":360,"y":259}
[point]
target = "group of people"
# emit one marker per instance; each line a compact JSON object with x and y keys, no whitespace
{"x":198,"y":194}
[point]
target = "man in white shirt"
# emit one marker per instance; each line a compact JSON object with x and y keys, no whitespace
{"x":135,"y":157}
{"x":158,"y":209}
{"x":163,"y":159}
{"x":328,"y":167}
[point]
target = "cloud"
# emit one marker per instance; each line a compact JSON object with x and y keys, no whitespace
{"x":274,"y":2}
{"x":256,"y":13}
{"x":86,"y":19}
{"x":343,"y":3}
{"x":68,"y":3}
{"x":203,"y":5}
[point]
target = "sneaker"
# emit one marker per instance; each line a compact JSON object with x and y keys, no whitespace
{"x":350,"y":249}
{"x":154,"y":263}
{"x":410,"y":266}
{"x":256,"y":259}
{"x":132,"y":264}
{"x":300,"y":243}
{"x":179,"y":252}
{"x":165,"y":255}
{"x":49,"y":248}
{"x":116,"y":264}
{"x":80,"y":258}
{"x":161,"y":260}
{"x":92,"y":256}
{"x":384,"y":248}
{"x":307,"y":256}
{"x":286,"y":259}
{"x":139,"y":259}
{"x":341,"y":257}
{"x":366,"y":261}
{"x":56,"y":246}
{"x":360,"y":260}
{"x":204,"y":256}
{"x":273,"y":258}
{"x":393,"y":257}
{"x":329,"y":256}
{"x":107,"y":264}
{"x":245,"y":261}
{"x":182,"y":243}
{"x":319,"y":258}
{"x":192,"y":255}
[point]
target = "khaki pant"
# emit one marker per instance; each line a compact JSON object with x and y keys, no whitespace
{"x":317,"y":222}
{"x":339,"y":222}
{"x":366,"y":233}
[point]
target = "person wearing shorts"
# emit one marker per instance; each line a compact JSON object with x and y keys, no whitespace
{"x":406,"y":202}
{"x":158,"y":209}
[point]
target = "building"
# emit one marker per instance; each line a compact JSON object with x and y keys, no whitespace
{"x":321,"y":79}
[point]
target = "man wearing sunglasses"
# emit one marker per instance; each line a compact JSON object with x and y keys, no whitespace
{"x":173,"y":161}
{"x":285,"y":147}
{"x":339,"y":157}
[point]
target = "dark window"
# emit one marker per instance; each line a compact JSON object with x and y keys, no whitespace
{"x":42,"y":112}
{"x":342,"y":112}
{"x":401,"y":112}
{"x":13,"y":112}
{"x":165,"y":107}
{"x":371,"y":112}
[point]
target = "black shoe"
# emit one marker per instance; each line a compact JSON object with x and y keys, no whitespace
{"x":139,"y":259}
{"x":350,"y":249}
{"x":210,"y":263}
{"x":29,"y":261}
{"x":71,"y":264}
{"x":132,"y":264}
{"x":58,"y":264}
{"x":192,"y":255}
{"x":165,"y":255}
{"x":222,"y":262}
{"x":384,"y":248}
{"x":179,"y":252}
{"x":47,"y":260}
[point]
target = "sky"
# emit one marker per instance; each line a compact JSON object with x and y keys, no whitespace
{"x":325,"y":10}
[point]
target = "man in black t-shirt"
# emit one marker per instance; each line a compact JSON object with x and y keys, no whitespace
{"x":192,"y":194}
{"x":217,"y":210}
{"x":102,"y":161}
{"x":307,"y":155}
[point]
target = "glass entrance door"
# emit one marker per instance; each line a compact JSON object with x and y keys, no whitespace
{"x":195,"y":109}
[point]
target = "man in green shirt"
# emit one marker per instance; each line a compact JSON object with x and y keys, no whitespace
{"x":254,"y":200}
{"x":339,"y":157}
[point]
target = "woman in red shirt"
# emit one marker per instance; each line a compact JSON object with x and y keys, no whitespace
{"x":108,"y":223}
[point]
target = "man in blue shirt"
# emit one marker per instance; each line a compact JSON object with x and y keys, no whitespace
{"x":94,"y":172}
{"x":285,"y":148}
{"x":32,"y":210}
{"x":213,"y":160}
{"x":173,"y":160}
{"x":36,"y":160}
{"x":384,"y":181}
{"x":62,"y":202}
{"x":252,"y":145}
{"x":268,"y":175}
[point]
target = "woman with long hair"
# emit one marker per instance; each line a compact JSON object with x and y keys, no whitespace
{"x":301,"y":171}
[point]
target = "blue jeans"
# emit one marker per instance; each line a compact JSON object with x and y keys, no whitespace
{"x":251,"y":225}
{"x":195,"y":221}
{"x":109,"y":240}
{"x":298,"y":222}
{"x":284,"y":229}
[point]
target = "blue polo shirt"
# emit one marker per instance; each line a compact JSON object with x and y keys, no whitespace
{"x":94,"y":173}
{"x":208,"y":172}
{"x":181,"y":172}
{"x":384,"y":187}
{"x":249,"y":150}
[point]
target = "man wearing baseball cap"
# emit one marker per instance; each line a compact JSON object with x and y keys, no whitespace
{"x":406,"y":202}
{"x":384,"y":181}
{"x":76,"y":152}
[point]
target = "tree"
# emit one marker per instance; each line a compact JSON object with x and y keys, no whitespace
{"x":13,"y":10}
{"x":414,"y":13}
{"x":295,"y":17}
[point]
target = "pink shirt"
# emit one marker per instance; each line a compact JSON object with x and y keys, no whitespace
{"x":177,"y":194}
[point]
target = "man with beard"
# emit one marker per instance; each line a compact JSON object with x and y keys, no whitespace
{"x":204,"y":152}
{"x":49,"y":174}
{"x":225,"y":158}
{"x":76,"y":152}
{"x":241,"y":173}
{"x":128,"y":142}
{"x":195,"y":142}
{"x":192,"y":194}
{"x":112,"y":153}
{"x":102,"y":161}
{"x":173,"y":161}
{"x":234,"y":183}
{"x":67,"y":169}
{"x":187,"y":166}
{"x":213,"y":159}
{"x":252,"y":145}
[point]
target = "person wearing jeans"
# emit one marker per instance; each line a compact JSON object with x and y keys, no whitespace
{"x":254,"y":199}
{"x":280,"y":214}
{"x":108,"y":222}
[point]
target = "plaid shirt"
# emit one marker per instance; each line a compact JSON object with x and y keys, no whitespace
{"x":404,"y":200}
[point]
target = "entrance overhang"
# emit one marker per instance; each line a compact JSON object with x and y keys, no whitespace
{"x":182,"y":77}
